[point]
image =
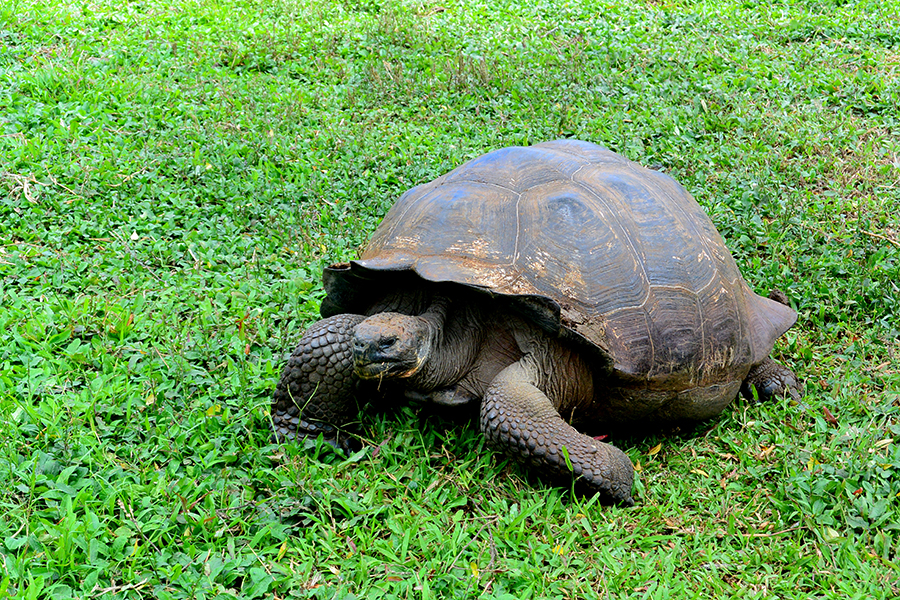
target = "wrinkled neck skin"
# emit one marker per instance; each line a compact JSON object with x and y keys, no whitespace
{"x":454,"y":338}
{"x":469,"y":340}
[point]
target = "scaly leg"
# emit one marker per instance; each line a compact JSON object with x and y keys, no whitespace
{"x":519,"y":419}
{"x":316,"y":392}
{"x":771,"y":380}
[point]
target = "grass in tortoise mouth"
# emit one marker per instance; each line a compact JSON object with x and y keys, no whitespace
{"x":381,"y":370}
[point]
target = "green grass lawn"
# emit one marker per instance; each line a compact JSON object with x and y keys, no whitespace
{"x":174,"y":175}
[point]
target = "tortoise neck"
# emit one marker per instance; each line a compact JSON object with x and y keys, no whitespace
{"x":454,"y":338}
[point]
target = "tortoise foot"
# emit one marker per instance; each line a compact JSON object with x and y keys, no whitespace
{"x":317,"y":390}
{"x":771,"y":380}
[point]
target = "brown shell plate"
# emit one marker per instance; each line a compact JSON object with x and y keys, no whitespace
{"x":632,"y":261}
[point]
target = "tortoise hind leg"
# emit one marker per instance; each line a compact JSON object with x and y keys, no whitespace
{"x":771,"y":380}
{"x":316,"y":392}
{"x":519,"y":419}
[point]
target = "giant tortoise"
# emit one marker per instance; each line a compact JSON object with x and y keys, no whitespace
{"x":560,"y":285}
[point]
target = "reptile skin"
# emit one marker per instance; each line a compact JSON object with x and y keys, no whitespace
{"x":319,"y":378}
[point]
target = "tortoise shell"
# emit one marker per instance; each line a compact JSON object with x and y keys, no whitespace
{"x":591,"y":245}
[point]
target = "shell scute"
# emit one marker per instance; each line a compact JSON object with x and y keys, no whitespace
{"x":624,"y":256}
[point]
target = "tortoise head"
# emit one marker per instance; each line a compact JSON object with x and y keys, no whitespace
{"x":391,"y":345}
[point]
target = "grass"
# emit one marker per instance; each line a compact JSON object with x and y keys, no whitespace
{"x":174,"y":175}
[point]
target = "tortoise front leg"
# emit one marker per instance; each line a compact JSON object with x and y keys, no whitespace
{"x":519,"y":419}
{"x":316,"y":392}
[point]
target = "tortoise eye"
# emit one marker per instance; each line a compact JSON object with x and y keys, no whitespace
{"x":387,"y":342}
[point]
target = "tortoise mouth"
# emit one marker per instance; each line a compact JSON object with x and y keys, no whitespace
{"x":394,"y":369}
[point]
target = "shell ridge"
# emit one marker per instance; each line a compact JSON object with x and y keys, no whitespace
{"x":486,"y":183}
{"x":418,"y":192}
{"x":687,"y":218}
{"x":515,"y":256}
{"x":578,"y":170}
{"x":668,"y":287}
{"x":649,"y":374}
{"x":666,"y":183}
{"x":628,"y":239}
{"x":701,"y":364}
